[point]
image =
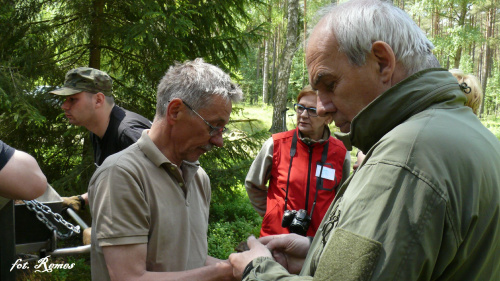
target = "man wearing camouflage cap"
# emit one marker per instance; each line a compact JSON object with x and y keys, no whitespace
{"x":89,"y":103}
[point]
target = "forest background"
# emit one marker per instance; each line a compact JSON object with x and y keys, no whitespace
{"x":259,"y":42}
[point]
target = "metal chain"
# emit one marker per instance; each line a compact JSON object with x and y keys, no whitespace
{"x":41,"y":210}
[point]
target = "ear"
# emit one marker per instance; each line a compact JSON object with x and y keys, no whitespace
{"x":174,"y":107}
{"x":99,"y":100}
{"x":329,"y":119}
{"x":385,"y":59}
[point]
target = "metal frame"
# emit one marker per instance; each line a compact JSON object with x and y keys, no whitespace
{"x":33,"y":234}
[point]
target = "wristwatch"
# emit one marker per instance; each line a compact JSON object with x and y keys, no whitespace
{"x":82,"y":201}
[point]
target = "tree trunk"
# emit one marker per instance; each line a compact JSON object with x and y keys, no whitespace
{"x":461,"y":22}
{"x":279,"y":112}
{"x":265,"y":70}
{"x":265,"y":73}
{"x":435,"y":19}
{"x":490,"y":21}
{"x":96,"y":34}
{"x":257,"y":64}
{"x":254,"y":96}
{"x":304,"y":68}
{"x":273,"y":72}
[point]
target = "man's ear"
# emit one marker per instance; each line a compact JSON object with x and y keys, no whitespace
{"x":386,"y":60}
{"x":174,"y":107}
{"x":329,"y":119}
{"x":99,"y":99}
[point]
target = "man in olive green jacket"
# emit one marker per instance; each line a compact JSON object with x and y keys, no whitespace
{"x":425,"y":202}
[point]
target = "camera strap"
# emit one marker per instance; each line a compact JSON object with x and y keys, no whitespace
{"x":319,"y":179}
{"x":293,"y":150}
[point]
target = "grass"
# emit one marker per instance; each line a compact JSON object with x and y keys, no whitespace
{"x":493,"y":124}
{"x":261,"y":116}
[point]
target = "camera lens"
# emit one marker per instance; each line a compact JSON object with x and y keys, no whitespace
{"x":300,"y":223}
{"x":288,"y":217}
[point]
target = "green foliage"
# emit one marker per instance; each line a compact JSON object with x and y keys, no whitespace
{"x":233,"y":160}
{"x":493,"y":124}
{"x":137,"y":42}
{"x":492,"y":97}
{"x":14,"y":99}
{"x":251,"y":87}
{"x":232,"y":220}
{"x":455,"y":37}
{"x":466,"y":64}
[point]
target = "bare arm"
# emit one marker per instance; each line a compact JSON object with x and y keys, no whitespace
{"x":128,"y":262}
{"x":21,"y":178}
{"x":211,"y":260}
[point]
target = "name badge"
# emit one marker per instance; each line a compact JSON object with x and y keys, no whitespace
{"x":326,"y":173}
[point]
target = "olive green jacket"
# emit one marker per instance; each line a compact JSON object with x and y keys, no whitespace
{"x":423,"y":205}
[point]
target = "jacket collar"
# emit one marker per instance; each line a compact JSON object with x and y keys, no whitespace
{"x":430,"y":87}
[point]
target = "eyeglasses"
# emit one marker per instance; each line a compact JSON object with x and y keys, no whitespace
{"x":213,"y":130}
{"x":310,"y":110}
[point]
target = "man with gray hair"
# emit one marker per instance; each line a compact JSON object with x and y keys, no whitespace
{"x":150,"y":202}
{"x":425,"y":202}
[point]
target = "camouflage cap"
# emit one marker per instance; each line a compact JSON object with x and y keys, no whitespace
{"x":85,"y":79}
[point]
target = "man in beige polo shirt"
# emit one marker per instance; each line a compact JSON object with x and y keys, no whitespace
{"x":150,"y":202}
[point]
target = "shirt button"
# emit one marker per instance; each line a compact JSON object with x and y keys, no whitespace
{"x":181,"y":184}
{"x":172,"y":168}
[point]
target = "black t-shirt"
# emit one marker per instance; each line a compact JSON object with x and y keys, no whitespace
{"x":6,"y":153}
{"x":124,"y":128}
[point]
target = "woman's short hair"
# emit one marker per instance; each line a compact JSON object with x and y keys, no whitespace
{"x":308,"y":90}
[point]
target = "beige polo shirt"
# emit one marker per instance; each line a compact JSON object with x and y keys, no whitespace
{"x":138,"y":196}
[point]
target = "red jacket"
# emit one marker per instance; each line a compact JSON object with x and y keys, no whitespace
{"x":305,"y":159}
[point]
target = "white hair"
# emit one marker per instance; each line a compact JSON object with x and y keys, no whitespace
{"x":357,"y":24}
{"x":195,"y":82}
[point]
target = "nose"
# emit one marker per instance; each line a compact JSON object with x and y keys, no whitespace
{"x":217,"y":140}
{"x":324,"y":104}
{"x":304,"y":114}
{"x":65,"y":105}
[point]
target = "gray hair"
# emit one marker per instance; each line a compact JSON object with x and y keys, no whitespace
{"x":195,"y":82}
{"x":357,"y":24}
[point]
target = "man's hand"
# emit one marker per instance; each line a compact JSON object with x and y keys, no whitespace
{"x":223,"y":267}
{"x":86,"y":237}
{"x":240,"y":260}
{"x":226,"y":268}
{"x":360,"y":156}
{"x":72,"y":202}
{"x":289,"y":250}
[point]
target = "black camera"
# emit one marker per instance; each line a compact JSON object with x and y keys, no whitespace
{"x":297,"y":221}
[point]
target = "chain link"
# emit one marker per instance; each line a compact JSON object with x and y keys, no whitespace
{"x":41,"y":210}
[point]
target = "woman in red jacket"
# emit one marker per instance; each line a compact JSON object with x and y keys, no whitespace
{"x":294,"y":178}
